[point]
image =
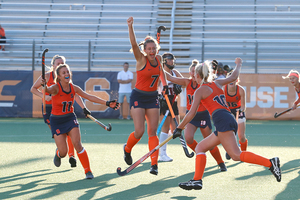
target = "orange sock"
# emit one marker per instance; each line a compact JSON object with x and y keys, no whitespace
{"x":70,"y":146}
{"x":216,"y":154}
{"x":193,"y":145}
{"x":253,"y":158}
{"x":152,"y":143}
{"x":131,"y":141}
{"x":244,"y":145}
{"x":84,"y":159}
{"x":57,"y":153}
{"x":200,"y":166}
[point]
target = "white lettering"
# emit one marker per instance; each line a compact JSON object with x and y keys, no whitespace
{"x":278,"y":97}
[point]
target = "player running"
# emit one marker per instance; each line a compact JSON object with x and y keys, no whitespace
{"x":211,"y":95}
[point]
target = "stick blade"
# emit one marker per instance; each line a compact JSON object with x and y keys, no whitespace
{"x":275,"y":115}
{"x":121,"y":173}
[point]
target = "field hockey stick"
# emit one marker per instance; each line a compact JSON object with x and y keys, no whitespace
{"x":43,"y":77}
{"x":165,"y":117}
{"x":283,"y":112}
{"x":108,"y":128}
{"x":158,"y":33}
{"x":134,"y":165}
{"x":182,"y":141}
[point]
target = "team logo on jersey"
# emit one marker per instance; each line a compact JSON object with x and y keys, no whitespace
{"x":57,"y":131}
{"x":72,"y":96}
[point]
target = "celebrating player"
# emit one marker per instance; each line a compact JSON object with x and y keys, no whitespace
{"x":236,"y":101}
{"x":63,"y":120}
{"x":211,"y":95}
{"x":202,"y":118}
{"x":144,"y":103}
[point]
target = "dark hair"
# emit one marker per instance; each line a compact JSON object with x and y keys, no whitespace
{"x":126,"y":63}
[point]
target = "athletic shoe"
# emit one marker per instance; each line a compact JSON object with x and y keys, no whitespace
{"x":191,"y":184}
{"x":89,"y":175}
{"x":127,"y":156}
{"x":72,"y":161}
{"x":275,"y":168}
{"x":57,"y":160}
{"x":222,"y":167}
{"x":129,"y":118}
{"x":227,"y":156}
{"x":165,"y":158}
{"x":121,"y":117}
{"x":153,"y":169}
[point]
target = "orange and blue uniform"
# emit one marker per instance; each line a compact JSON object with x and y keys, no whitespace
{"x":144,"y":95}
{"x":216,"y":105}
{"x":47,"y":114}
{"x":63,"y":118}
{"x":234,"y":101}
{"x":202,"y":117}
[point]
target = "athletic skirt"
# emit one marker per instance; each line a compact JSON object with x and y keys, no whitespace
{"x":140,"y":99}
{"x":201,"y":119}
{"x":61,"y":124}
{"x":224,"y":121}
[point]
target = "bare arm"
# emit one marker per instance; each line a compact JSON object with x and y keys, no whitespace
{"x":177,"y":80}
{"x":79,"y":100}
{"x":140,"y":58}
{"x":124,"y":81}
{"x":243,"y":98}
{"x":35,"y":87}
{"x":235,"y":74}
{"x":87,"y":96}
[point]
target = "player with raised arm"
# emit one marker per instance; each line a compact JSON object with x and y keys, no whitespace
{"x":144,"y":102}
{"x":236,"y":101}
{"x":202,"y":118}
{"x":211,"y":95}
{"x":63,"y":120}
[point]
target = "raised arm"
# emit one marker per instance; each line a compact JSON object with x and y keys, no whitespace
{"x":243,"y":98}
{"x":235,"y":74}
{"x":35,"y":88}
{"x":178,"y":80}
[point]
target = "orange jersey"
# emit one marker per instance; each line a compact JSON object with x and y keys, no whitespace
{"x":216,"y":100}
{"x":62,"y":102}
{"x":49,"y":83}
{"x":147,"y":78}
{"x":190,"y":90}
{"x":233,"y":101}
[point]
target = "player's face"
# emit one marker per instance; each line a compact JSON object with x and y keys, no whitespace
{"x":64,"y":74}
{"x":294,"y":80}
{"x":192,"y":72}
{"x":197,"y":77}
{"x":151,"y":50}
{"x":57,"y":62}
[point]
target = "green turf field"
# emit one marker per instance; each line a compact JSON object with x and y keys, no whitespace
{"x":27,"y":170}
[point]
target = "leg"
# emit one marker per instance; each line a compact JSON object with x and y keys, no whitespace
{"x":163,"y":136}
{"x":242,"y":136}
{"x":152,"y":117}
{"x":121,"y":100}
{"x":81,"y":152}
{"x":72,"y":159}
{"x":189,"y":134}
{"x":61,"y":150}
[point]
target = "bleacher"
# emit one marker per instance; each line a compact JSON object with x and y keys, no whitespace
{"x":93,"y":35}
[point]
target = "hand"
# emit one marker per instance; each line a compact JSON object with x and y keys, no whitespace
{"x":215,"y":64}
{"x":86,"y":112}
{"x":238,"y":61}
{"x":177,"y":89}
{"x":113,"y":104}
{"x":165,"y":90}
{"x":177,"y":133}
{"x":48,"y":97}
{"x":294,"y":106}
{"x":130,"y":21}
{"x":163,"y":104}
{"x":43,"y":82}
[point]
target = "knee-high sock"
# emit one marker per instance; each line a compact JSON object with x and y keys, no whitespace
{"x":152,"y":143}
{"x":131,"y":141}
{"x":70,"y":146}
{"x":244,"y":145}
{"x":193,"y":145}
{"x":84,"y":159}
{"x":57,"y":153}
{"x":163,"y":136}
{"x":200,"y":166}
{"x":216,"y":154}
{"x":253,"y":158}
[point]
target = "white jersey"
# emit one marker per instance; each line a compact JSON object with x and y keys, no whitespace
{"x":170,"y":85}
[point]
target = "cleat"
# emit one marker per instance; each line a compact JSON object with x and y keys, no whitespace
{"x":72,"y":161}
{"x":222,"y":167}
{"x":165,"y":158}
{"x":191,"y":184}
{"x":127,"y":156}
{"x":89,"y":175}
{"x":275,"y":168}
{"x":154,"y":170}
{"x":227,"y":156}
{"x":57,"y":160}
